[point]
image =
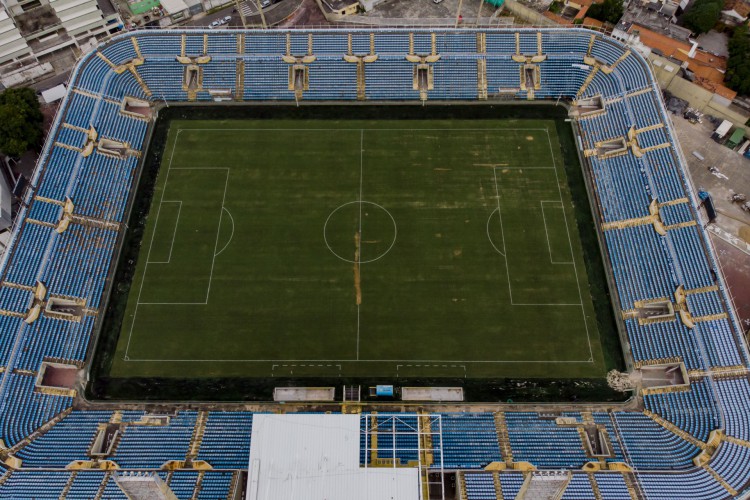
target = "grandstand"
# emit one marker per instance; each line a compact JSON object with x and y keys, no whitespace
{"x":690,"y":440}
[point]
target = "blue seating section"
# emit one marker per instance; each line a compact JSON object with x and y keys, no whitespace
{"x":27,"y":410}
{"x":226,"y":440}
{"x":693,"y":411}
{"x":579,"y":488}
{"x":85,"y":485}
{"x":651,"y":446}
{"x":69,"y":440}
{"x":10,"y":326}
{"x":45,"y":485}
{"x":732,"y":463}
{"x":639,"y":262}
{"x":612,"y":485}
{"x":735,"y":396}
{"x":183,"y":484}
{"x":145,"y":446}
{"x":469,"y":440}
{"x":644,"y":264}
{"x":215,"y":486}
{"x":397,"y":438}
{"x":693,"y":485}
{"x":480,"y":487}
{"x":511,"y":483}
{"x":543,"y":443}
{"x":664,"y":340}
{"x":606,"y":419}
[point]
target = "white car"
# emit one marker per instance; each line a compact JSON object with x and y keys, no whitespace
{"x":226,"y":19}
{"x":214,"y":25}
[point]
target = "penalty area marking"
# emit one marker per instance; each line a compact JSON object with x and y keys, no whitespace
{"x":489,"y":220}
{"x":153,"y":234}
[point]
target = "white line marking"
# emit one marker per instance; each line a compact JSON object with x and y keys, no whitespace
{"x":340,"y":128}
{"x":575,"y":267}
{"x":502,"y":232}
{"x":359,"y":259}
{"x":489,"y":220}
{"x":509,"y":361}
{"x":153,"y":234}
{"x":589,"y":361}
{"x":174,"y":233}
{"x":231,"y":235}
{"x":546,"y":233}
{"x":171,"y":303}
{"x":361,"y":202}
{"x":218,"y":231}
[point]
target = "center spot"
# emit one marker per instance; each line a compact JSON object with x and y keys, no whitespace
{"x":360,"y":231}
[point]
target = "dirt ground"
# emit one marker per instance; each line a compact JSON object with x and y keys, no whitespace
{"x":736,"y":265}
{"x":731,"y":165}
{"x":308,"y":14}
{"x":420,"y":9}
{"x":735,"y":177}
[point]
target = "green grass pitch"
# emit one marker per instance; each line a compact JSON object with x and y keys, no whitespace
{"x":323,"y":248}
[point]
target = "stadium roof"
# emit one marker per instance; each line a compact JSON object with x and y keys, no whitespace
{"x":316,"y":457}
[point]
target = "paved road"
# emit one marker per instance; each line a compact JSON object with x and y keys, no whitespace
{"x":274,"y":14}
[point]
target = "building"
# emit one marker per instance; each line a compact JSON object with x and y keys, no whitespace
{"x":700,"y":67}
{"x":735,"y":12}
{"x":35,"y":33}
{"x":12,"y":44}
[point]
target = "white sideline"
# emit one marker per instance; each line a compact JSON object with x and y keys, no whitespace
{"x":413,"y":362}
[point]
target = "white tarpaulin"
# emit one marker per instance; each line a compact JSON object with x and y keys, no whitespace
{"x":54,"y":94}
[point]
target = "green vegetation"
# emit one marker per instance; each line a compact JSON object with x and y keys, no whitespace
{"x":20,"y":121}
{"x":609,"y":11}
{"x":702,"y":15}
{"x":143,"y":6}
{"x":738,"y":65}
{"x":465,"y":254}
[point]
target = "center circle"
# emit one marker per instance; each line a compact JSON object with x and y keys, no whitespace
{"x":360,"y":229}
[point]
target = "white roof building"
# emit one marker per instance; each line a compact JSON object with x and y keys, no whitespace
{"x":316,"y":457}
{"x":12,"y":44}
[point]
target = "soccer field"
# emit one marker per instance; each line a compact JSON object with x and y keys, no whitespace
{"x":324,"y":248}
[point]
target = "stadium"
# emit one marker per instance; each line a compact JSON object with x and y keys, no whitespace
{"x":135,"y":241}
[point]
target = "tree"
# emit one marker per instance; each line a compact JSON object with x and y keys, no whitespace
{"x":702,"y":15}
{"x":609,"y":11}
{"x":738,"y":65}
{"x":20,"y":121}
